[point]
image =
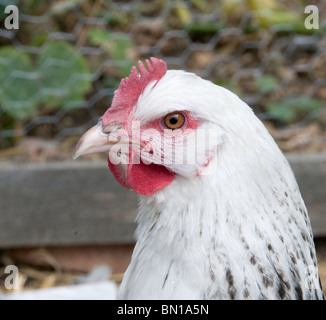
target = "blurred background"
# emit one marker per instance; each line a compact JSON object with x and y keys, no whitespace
{"x":58,"y":72}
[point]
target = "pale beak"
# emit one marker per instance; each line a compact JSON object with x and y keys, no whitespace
{"x":93,"y":141}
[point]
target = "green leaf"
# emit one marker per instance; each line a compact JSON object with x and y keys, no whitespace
{"x":117,"y":47}
{"x":292,"y":109}
{"x":229,"y":7}
{"x":125,"y":66}
{"x":39,"y":39}
{"x":183,"y":14}
{"x":111,"y":82}
{"x":266,"y":83}
{"x":120,"y":47}
{"x":275,"y":14}
{"x":281,"y":112}
{"x":64,"y":75}
{"x":199,"y":4}
{"x":200,"y":29}
{"x":18,"y":86}
{"x":98,"y":37}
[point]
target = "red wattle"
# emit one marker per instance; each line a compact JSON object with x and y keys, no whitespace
{"x":142,"y":178}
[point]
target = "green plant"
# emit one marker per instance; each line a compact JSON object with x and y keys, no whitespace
{"x":64,"y":75}
{"x":266,"y":83}
{"x":59,"y":79}
{"x":199,"y":4}
{"x":19,"y":89}
{"x":118,"y":47}
{"x":274,"y":14}
{"x":183,"y":14}
{"x":202,"y":29}
{"x":293,"y":109}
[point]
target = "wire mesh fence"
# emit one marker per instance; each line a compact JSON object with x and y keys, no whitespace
{"x":59,"y":69}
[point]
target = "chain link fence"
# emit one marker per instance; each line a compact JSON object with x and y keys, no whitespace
{"x":59,"y":69}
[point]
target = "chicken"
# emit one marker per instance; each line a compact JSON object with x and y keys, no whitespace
{"x":220,"y":213}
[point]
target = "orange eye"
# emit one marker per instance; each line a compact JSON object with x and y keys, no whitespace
{"x":174,"y":120}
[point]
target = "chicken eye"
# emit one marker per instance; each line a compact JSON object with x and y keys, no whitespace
{"x":174,"y":121}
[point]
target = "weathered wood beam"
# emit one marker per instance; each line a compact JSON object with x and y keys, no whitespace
{"x":80,"y":203}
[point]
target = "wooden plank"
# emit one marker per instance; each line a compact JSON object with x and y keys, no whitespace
{"x":64,"y":203}
{"x":310,"y":172}
{"x":80,"y":203}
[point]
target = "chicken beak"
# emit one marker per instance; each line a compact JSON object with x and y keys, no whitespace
{"x":93,"y":141}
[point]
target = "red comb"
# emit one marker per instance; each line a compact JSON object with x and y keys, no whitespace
{"x":131,"y":88}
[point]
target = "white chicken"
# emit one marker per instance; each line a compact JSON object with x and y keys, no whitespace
{"x":220,"y":213}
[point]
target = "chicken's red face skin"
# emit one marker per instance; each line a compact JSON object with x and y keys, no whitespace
{"x":143,"y":178}
{"x":147,"y":178}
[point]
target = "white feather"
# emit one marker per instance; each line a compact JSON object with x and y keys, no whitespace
{"x":239,"y":230}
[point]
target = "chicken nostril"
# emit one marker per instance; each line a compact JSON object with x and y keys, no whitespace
{"x":111,"y":127}
{"x":106,"y":130}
